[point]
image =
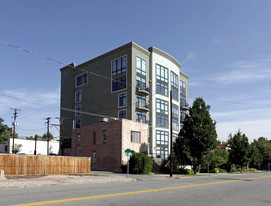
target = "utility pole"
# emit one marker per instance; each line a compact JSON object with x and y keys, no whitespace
{"x":171,"y":142}
{"x":48,"y":139}
{"x":61,"y":119}
{"x":35,"y":151}
{"x":14,"y":126}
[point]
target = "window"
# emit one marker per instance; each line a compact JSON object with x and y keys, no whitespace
{"x":140,"y":66}
{"x":162,"y":88}
{"x":183,"y":94}
{"x":161,"y":120}
{"x":93,"y":137}
{"x":175,"y":124}
{"x":161,"y":73}
{"x":161,"y":113}
{"x":175,"y":111}
{"x":81,"y":79}
{"x":119,"y":65}
{"x":104,"y":137}
{"x":135,"y":137}
{"x":141,"y":82}
{"x":122,"y":114}
{"x":141,"y":101}
{"x":141,"y":117}
{"x":162,"y":144}
{"x":78,"y":96}
{"x":162,"y":152}
{"x":182,"y":115}
{"x":161,"y":137}
{"x":122,"y":100}
{"x":78,"y":110}
{"x":118,"y":84}
{"x":174,"y":137}
{"x":161,"y":106}
{"x":174,"y":86}
{"x":77,"y":123}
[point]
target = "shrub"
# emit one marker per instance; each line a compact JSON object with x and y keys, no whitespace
{"x":140,"y":164}
{"x":222,"y":171}
{"x":233,"y":170}
{"x":216,"y":170}
{"x":185,"y":171}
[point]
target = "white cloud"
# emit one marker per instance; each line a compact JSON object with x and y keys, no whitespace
{"x":252,"y":128}
{"x":35,"y":106}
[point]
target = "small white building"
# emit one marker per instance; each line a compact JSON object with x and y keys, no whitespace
{"x":28,"y":146}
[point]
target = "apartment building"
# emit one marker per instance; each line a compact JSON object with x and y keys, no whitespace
{"x":128,"y":82}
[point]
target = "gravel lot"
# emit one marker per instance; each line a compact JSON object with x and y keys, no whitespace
{"x":34,"y":181}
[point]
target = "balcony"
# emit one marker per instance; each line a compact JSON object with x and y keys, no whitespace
{"x":141,"y":88}
{"x":142,"y":106}
{"x":184,"y":105}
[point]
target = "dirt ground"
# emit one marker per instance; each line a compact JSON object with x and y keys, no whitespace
{"x":34,"y":181}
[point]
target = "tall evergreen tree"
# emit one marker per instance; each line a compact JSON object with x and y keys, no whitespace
{"x":239,"y":152}
{"x":199,"y":133}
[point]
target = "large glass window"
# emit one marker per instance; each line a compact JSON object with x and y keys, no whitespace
{"x":161,"y":113}
{"x":78,"y":96}
{"x":174,"y":86}
{"x":162,"y":88}
{"x":141,"y":101}
{"x":140,"y":66}
{"x":118,"y":84}
{"x":174,"y":137}
{"x":161,"y":106}
{"x":122,"y":114}
{"x":162,"y":143}
{"x":161,"y":73}
{"x":141,"y":117}
{"x":119,"y":65}
{"x":135,"y":137}
{"x":81,"y":79}
{"x":162,"y":152}
{"x":141,"y":82}
{"x":175,"y":111}
{"x":183,"y":94}
{"x":93,"y":137}
{"x":161,"y":80}
{"x":122,"y":100}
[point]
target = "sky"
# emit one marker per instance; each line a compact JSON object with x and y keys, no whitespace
{"x":224,"y":47}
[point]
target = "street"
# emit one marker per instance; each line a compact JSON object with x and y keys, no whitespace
{"x":222,"y":189}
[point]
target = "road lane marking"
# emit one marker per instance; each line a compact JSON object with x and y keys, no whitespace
{"x":137,"y":192}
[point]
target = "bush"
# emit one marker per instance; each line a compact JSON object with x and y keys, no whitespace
{"x":185,"y":171}
{"x":140,"y":164}
{"x":216,"y":170}
{"x":222,"y":171}
{"x":233,"y":170}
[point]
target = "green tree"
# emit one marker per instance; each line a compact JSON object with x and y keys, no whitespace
{"x":181,"y":151}
{"x":239,"y":149}
{"x":255,"y":157}
{"x":264,"y":147}
{"x":199,"y":133}
{"x":5,"y":132}
{"x":219,"y":157}
{"x":44,"y":136}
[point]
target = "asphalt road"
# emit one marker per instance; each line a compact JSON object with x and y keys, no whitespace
{"x":241,"y":190}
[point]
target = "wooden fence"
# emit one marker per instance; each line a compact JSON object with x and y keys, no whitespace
{"x":43,"y":165}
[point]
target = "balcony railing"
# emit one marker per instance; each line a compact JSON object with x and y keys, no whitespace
{"x":142,"y":88}
{"x":142,"y":106}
